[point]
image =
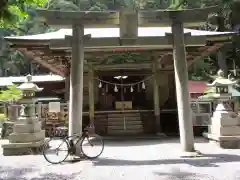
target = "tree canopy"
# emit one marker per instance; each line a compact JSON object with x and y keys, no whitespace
{"x":19,"y":17}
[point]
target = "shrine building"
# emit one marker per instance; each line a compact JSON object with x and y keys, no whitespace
{"x":128,"y":79}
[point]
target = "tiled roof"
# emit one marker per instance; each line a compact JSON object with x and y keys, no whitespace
{"x":6,"y":81}
{"x":197,"y":86}
{"x":115,"y":32}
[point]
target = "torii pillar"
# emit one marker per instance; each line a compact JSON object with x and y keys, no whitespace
{"x":76,"y":81}
{"x":181,"y":81}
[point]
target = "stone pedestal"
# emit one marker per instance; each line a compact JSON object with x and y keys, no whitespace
{"x":225,"y":127}
{"x":7,"y":129}
{"x":13,"y":114}
{"x":27,"y":137}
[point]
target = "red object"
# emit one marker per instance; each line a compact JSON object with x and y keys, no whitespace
{"x":197,"y":87}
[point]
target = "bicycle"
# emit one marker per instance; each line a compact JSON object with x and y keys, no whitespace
{"x":70,"y":143}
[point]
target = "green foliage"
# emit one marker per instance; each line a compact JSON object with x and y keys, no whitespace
{"x":203,"y":69}
{"x":13,"y":11}
{"x":11,"y":94}
{"x":23,"y":20}
{"x":19,"y":17}
{"x":2,"y":117}
{"x":62,"y":5}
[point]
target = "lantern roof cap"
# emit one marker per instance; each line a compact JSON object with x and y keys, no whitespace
{"x":221,"y":80}
{"x":29,"y":86}
{"x":210,"y":96}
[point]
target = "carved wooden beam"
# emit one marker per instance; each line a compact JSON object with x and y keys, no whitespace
{"x":208,"y":50}
{"x":127,"y":66}
{"x":39,"y":60}
{"x":136,"y":72}
{"x":99,"y":54}
{"x":167,"y":59}
{"x":60,"y":64}
{"x":200,"y":53}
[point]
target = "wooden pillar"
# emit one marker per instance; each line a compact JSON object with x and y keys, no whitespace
{"x":67,"y":80}
{"x":156,"y":97}
{"x":67,"y":88}
{"x":76,"y":81}
{"x":91,"y":97}
{"x":181,"y":80}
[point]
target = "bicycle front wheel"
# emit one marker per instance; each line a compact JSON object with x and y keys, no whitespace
{"x":92,"y":146}
{"x":56,"y":150}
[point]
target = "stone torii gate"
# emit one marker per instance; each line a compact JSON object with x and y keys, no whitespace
{"x":129,"y":21}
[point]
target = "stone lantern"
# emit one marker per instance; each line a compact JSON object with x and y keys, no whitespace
{"x":28,"y":97}
{"x":225,"y":123}
{"x":222,"y":86}
{"x":27,"y":135}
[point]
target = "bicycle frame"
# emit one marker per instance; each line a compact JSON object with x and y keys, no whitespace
{"x":70,"y":140}
{"x":74,"y":143}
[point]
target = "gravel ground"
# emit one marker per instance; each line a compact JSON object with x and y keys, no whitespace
{"x":130,"y":160}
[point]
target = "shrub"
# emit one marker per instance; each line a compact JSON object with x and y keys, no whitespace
{"x":2,"y":117}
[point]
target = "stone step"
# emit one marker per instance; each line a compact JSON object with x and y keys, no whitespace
{"x":127,"y":131}
{"x":27,"y":128}
{"x":224,"y":114}
{"x":100,"y":117}
{"x":19,"y":149}
{"x":115,"y":123}
{"x":100,"y":120}
{"x":23,"y":145}
{"x":126,"y":122}
{"x":133,"y":127}
{"x":226,"y":131}
{"x":27,"y":120}
{"x":27,"y":137}
{"x":227,"y":121}
{"x":125,"y":114}
{"x":126,"y":119}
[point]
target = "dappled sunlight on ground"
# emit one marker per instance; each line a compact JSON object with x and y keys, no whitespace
{"x":140,"y":159}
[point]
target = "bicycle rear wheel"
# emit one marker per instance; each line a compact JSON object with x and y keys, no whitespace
{"x":56,"y":150}
{"x":92,"y":146}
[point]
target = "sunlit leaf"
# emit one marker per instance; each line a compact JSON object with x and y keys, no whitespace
{"x":11,"y":94}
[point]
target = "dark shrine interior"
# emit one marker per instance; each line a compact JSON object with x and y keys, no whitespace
{"x":119,"y":89}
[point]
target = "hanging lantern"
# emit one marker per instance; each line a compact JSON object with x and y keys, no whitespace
{"x":115,"y":89}
{"x":131,"y":89}
{"x":100,"y":85}
{"x":143,"y":85}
